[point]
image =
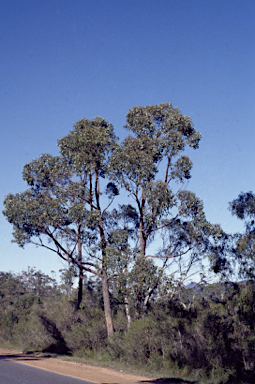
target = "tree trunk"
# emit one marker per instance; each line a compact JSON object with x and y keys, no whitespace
{"x":145,"y":304}
{"x":106,"y":296}
{"x":80,"y":284}
{"x":107,"y":306}
{"x":80,"y":288}
{"x":142,"y":240}
{"x":127,"y":312}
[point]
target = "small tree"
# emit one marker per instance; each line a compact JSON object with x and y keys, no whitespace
{"x":68,"y":276}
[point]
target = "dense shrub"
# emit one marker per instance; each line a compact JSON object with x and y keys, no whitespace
{"x":210,"y":334}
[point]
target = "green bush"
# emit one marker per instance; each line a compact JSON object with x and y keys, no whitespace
{"x":141,"y":341}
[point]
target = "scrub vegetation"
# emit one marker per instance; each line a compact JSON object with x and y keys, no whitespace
{"x":102,"y":207}
{"x":205,"y":333}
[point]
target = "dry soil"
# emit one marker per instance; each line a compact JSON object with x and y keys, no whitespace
{"x":83,"y":371}
{"x":78,"y":370}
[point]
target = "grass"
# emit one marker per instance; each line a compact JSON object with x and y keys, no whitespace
{"x":104,"y":360}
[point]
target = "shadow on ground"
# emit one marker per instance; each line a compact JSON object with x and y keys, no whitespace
{"x":27,"y":356}
{"x":170,"y":380}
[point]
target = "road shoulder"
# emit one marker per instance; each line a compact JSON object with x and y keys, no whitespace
{"x":80,"y":371}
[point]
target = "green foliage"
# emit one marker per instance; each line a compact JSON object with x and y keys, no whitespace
{"x":243,"y":245}
{"x":206,"y":332}
{"x":66,"y":210}
{"x":160,"y":131}
{"x":140,"y":348}
{"x":60,"y":197}
{"x":88,"y":333}
{"x":39,"y":283}
{"x":88,"y":145}
{"x":63,"y":211}
{"x":244,"y":206}
{"x":21,"y":298}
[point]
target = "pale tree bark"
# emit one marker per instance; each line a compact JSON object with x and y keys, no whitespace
{"x":80,"y":284}
{"x":127,"y":312}
{"x":142,"y":238}
{"x":106,"y":295}
{"x":107,"y":305}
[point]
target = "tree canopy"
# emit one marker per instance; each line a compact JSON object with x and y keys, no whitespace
{"x":161,"y":134}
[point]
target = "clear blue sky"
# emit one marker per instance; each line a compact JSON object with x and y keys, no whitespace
{"x":64,"y":60}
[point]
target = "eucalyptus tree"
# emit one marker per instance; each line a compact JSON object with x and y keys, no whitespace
{"x":152,"y":167}
{"x":62,"y":208}
{"x":161,"y":134}
{"x":243,"y":245}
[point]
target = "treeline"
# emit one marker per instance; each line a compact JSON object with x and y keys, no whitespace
{"x":206,"y":331}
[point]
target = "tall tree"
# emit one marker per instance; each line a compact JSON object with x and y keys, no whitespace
{"x":63,"y":202}
{"x":151,"y":166}
{"x":87,"y":149}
